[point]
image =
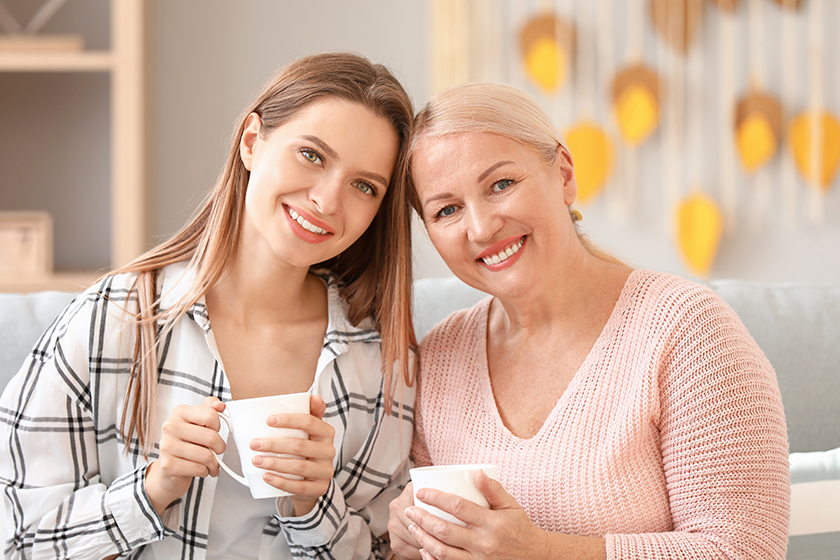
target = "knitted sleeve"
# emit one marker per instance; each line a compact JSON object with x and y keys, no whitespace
{"x":723,"y":442}
{"x":419,"y":451}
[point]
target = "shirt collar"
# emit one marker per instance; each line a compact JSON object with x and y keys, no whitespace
{"x":177,"y":279}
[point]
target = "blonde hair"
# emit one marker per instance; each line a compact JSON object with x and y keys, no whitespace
{"x":375,"y":271}
{"x":493,"y":109}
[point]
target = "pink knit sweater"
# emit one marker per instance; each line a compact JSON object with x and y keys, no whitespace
{"x":670,"y":441}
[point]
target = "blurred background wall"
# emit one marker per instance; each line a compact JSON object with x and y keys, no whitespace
{"x":206,"y":58}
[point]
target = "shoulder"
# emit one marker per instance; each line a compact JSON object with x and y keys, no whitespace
{"x":667,"y":297}
{"x":460,"y":330}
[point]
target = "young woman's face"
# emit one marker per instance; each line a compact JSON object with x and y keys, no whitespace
{"x":495,"y":212}
{"x":316,"y":182}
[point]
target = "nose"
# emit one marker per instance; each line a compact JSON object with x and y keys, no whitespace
{"x":482,"y":222}
{"x":325,"y":195}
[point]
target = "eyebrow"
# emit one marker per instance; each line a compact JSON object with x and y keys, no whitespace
{"x":491,"y":169}
{"x":332,"y":153}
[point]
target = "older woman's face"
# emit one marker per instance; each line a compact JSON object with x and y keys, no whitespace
{"x":495,"y":212}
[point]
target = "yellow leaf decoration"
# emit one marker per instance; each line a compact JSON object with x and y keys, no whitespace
{"x":635,"y":95}
{"x":756,"y":142}
{"x":592,"y":153}
{"x":826,"y":130}
{"x":758,"y":129}
{"x":547,"y":42}
{"x":699,"y":231}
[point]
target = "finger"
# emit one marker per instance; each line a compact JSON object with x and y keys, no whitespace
{"x":317,"y":407}
{"x":312,"y":470}
{"x":432,"y":548}
{"x":315,"y":427}
{"x":185,"y":459}
{"x":196,"y":434}
{"x":463,"y":509}
{"x":496,"y":495}
{"x":313,"y":450}
{"x":214,"y":403}
{"x":301,"y":488}
{"x":206,"y":416}
{"x":436,"y":529}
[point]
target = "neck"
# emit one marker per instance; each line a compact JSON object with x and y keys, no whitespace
{"x":577,"y":292}
{"x":254,"y":290}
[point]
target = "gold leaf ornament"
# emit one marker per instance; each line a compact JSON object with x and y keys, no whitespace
{"x":802,"y":131}
{"x":758,"y":129}
{"x":592,"y":152}
{"x":678,"y":22}
{"x":635,"y":94}
{"x":547,"y":44}
{"x":699,"y":232}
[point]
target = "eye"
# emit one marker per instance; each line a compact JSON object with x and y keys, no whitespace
{"x":502,"y":185}
{"x":366,"y":188}
{"x":446,"y":211}
{"x":311,"y":155}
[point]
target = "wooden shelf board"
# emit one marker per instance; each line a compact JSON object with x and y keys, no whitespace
{"x":81,"y":61}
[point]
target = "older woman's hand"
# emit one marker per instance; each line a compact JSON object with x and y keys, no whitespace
{"x":503,"y":531}
{"x":402,"y":543}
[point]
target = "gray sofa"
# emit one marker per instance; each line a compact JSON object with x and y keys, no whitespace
{"x":797,"y":326}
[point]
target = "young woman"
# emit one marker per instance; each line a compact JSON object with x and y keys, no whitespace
{"x":293,"y":277}
{"x":629,"y":412}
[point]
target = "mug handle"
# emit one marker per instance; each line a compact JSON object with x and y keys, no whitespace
{"x":237,"y":477}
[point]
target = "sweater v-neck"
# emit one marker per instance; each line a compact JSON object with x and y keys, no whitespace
{"x":482,"y":372}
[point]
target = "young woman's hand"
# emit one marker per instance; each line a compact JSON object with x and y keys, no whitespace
{"x":503,"y":531}
{"x":189,"y":443}
{"x":316,"y":454}
{"x":402,"y":542}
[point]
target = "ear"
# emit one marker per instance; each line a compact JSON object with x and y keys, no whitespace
{"x":566,"y":169}
{"x":249,"y":139}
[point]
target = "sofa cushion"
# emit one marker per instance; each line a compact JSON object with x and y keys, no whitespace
{"x":23,"y":319}
{"x":797,"y":327}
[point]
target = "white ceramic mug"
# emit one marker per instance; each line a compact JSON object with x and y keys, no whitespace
{"x":246,"y":419}
{"x":453,"y":479}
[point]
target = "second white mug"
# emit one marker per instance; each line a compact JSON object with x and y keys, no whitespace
{"x":453,"y":479}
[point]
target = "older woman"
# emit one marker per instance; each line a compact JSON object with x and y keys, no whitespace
{"x":629,"y":412}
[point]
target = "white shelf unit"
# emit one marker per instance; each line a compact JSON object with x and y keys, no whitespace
{"x":125,"y":63}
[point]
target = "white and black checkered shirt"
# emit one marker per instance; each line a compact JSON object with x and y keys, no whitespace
{"x":73,"y":488}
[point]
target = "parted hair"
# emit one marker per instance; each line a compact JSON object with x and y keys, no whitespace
{"x":375,"y":272}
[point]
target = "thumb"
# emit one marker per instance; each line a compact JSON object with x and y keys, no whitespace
{"x":317,"y":407}
{"x":495,"y":493}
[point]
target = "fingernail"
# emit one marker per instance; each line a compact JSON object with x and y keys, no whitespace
{"x":258,"y":460}
{"x":272,"y":420}
{"x":412,"y":528}
{"x":267,"y":477}
{"x":409,"y":512}
{"x":256,"y":444}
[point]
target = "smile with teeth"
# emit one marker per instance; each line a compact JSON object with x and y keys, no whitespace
{"x":304,"y":224}
{"x":504,"y":255}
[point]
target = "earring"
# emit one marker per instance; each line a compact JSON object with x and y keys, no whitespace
{"x":576,"y":215}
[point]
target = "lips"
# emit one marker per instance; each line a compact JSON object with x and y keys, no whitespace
{"x":306,"y":227}
{"x":500,"y":253}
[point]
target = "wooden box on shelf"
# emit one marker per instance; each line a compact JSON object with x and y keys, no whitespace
{"x":25,"y":245}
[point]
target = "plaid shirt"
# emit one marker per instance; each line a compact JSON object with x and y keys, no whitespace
{"x":74,"y":488}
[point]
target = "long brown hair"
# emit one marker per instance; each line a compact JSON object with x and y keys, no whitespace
{"x":375,"y":271}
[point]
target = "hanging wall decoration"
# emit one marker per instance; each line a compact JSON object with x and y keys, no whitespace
{"x":728,"y":5}
{"x":758,"y":129}
{"x":547,"y":45}
{"x":635,"y":95}
{"x":814,"y":140}
{"x":676,"y":23}
{"x":699,"y":231}
{"x":795,"y":4}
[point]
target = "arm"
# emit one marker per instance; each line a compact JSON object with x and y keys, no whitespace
{"x":55,"y":498}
